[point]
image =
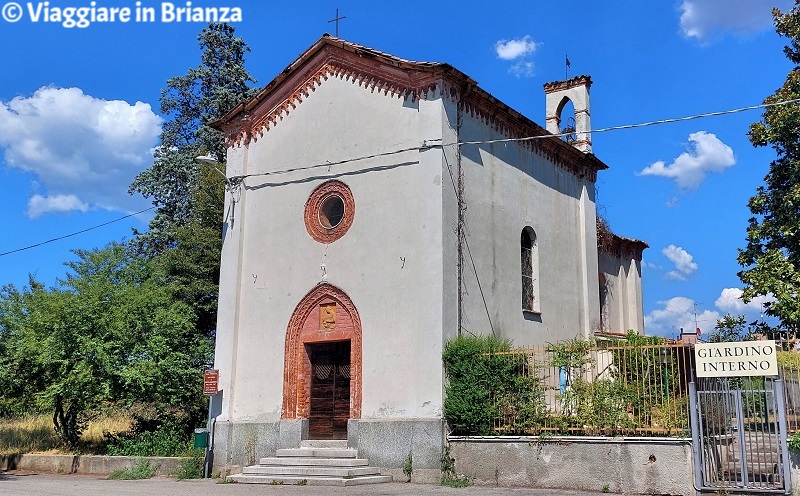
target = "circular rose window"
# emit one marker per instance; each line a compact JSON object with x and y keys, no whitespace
{"x":329,"y":211}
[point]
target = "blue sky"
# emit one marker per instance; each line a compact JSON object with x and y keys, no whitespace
{"x":79,"y":115}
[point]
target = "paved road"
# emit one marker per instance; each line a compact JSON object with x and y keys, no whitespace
{"x":28,"y":484}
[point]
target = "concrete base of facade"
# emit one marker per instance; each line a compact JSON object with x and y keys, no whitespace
{"x":85,"y":464}
{"x":387,"y":443}
{"x":622,"y":465}
{"x":240,"y":444}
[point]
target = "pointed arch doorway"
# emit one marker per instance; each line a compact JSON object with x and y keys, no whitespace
{"x":322,"y":365}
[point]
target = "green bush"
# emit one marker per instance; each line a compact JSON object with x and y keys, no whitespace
{"x":598,"y":404}
{"x":166,"y":434}
{"x":190,"y":468}
{"x":485,"y":386}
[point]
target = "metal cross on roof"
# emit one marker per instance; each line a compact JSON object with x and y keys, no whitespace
{"x":336,"y":20}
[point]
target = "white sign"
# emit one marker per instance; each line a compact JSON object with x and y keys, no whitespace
{"x":746,"y":358}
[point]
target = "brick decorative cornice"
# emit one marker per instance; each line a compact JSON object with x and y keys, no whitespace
{"x":566,"y":84}
{"x":621,"y":247}
{"x":251,"y":121}
{"x":377,"y":71}
{"x":511,"y":124}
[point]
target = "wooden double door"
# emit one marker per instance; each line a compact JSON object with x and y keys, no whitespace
{"x":330,"y":390}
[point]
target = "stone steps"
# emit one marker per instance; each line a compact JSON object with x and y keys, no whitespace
{"x":307,"y":460}
{"x":310,"y":471}
{"x":311,"y":481}
{"x":318,"y":452}
{"x":315,"y":463}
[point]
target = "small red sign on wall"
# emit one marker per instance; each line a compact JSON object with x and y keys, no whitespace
{"x":211,"y":381}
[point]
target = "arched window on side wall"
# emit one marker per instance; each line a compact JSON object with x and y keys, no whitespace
{"x":530,"y":271}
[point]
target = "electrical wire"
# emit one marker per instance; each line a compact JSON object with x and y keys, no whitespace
{"x":641,"y":124}
{"x":429,"y":144}
{"x":433,"y":143}
{"x":75,"y":233}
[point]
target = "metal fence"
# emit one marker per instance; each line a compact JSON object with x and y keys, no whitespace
{"x":789,"y":365}
{"x":603,"y":389}
{"x":614,"y":388}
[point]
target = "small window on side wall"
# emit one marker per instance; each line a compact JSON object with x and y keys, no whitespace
{"x":530,"y":271}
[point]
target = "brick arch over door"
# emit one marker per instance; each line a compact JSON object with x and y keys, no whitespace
{"x":325,"y":314}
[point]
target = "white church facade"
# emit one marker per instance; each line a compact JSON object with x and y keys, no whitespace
{"x":377,"y":207}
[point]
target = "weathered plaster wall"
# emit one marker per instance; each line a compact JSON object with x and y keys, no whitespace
{"x":509,"y":187}
{"x":623,"y":307}
{"x":627,"y":465}
{"x":390,"y":262}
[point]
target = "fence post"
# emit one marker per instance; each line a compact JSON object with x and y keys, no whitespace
{"x":783,"y":435}
{"x":696,"y":439}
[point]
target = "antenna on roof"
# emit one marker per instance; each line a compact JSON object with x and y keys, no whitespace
{"x":336,"y":20}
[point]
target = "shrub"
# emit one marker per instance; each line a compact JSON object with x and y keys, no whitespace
{"x":485,"y":385}
{"x":190,"y":468}
{"x":153,"y":434}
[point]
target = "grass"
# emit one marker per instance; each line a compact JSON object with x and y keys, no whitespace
{"x":34,"y":433}
{"x":28,"y":434}
{"x":142,"y":470}
{"x":454,"y":481}
{"x":190,"y":468}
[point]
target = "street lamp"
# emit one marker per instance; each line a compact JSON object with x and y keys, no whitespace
{"x":211,"y":162}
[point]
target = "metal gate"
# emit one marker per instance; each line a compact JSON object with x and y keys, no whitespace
{"x":739,"y":434}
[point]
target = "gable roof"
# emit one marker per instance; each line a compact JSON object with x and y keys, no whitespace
{"x":379,"y":71}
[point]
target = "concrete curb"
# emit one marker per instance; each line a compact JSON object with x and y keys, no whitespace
{"x":84,"y":464}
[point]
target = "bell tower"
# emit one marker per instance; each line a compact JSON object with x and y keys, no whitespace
{"x":575,"y":90}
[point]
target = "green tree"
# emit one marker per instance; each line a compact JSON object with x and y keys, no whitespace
{"x":186,"y":231}
{"x":192,"y":264}
{"x":729,"y":328}
{"x":111,"y":331}
{"x":192,"y":102}
{"x":771,"y":259}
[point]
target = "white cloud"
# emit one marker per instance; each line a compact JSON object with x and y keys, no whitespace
{"x":678,"y":313}
{"x":707,"y":20}
{"x":82,"y":150}
{"x":684,"y":264}
{"x":706,"y":154}
{"x":516,"y":48}
{"x":730,"y":301}
{"x":38,"y":204}
{"x":523,"y":69}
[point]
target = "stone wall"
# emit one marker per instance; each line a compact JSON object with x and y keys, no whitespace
{"x":625,"y":465}
{"x":85,"y":464}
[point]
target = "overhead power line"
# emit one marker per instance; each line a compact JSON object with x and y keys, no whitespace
{"x":427,"y":145}
{"x":641,"y":124}
{"x":75,"y":233}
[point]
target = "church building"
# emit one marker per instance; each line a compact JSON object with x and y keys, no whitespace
{"x":377,"y":207}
